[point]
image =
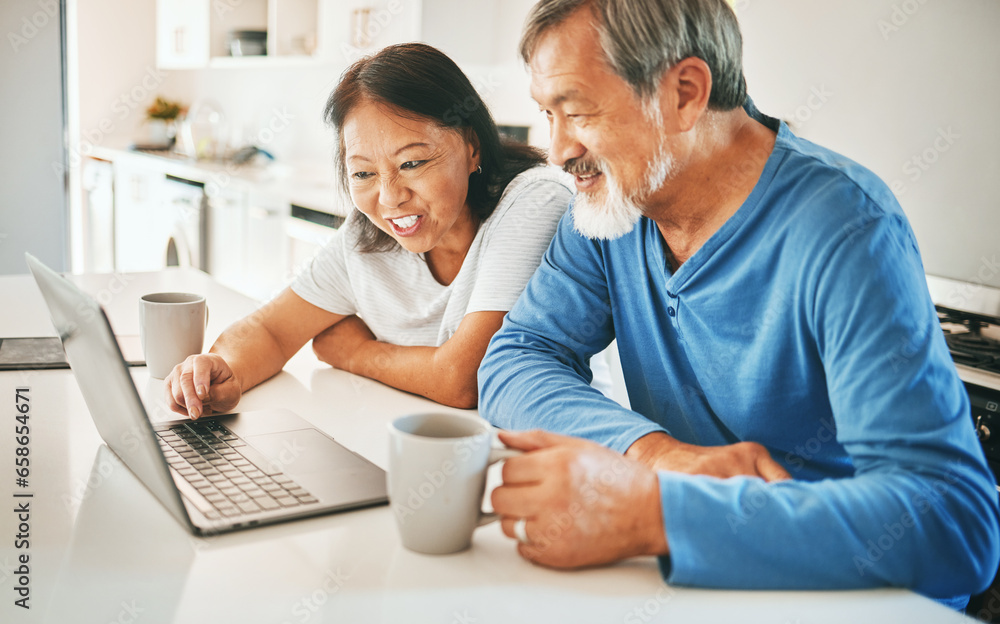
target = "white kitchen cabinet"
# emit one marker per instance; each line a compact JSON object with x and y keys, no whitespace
{"x":227,"y":226}
{"x":308,"y":231}
{"x":182,"y":33}
{"x":248,"y":246}
{"x":196,"y":33}
{"x":97,"y":221}
{"x":142,"y":225}
{"x":267,"y":255}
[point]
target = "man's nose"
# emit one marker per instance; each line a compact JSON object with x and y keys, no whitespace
{"x":564,"y":145}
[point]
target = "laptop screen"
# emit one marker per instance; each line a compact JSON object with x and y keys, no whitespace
{"x":105,"y":382}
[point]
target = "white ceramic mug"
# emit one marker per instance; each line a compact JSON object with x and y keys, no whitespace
{"x":171,"y":327}
{"x":437,"y":477}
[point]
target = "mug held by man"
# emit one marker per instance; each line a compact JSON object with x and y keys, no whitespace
{"x":437,"y":477}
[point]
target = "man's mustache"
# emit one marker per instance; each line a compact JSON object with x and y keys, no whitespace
{"x":582,"y":167}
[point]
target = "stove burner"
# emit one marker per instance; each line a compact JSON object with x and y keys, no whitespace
{"x":970,"y":347}
{"x":974,"y":350}
{"x":973,"y":342}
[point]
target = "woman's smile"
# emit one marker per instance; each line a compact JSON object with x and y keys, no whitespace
{"x":405,"y":226}
{"x":410,"y":176}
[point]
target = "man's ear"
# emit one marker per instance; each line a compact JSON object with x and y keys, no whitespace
{"x":686,"y":87}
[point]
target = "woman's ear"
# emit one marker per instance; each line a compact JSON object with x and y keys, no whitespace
{"x":472,"y":141}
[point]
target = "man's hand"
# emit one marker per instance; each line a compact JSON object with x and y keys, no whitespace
{"x":340,"y":344}
{"x":584,"y":504}
{"x":202,"y":384}
{"x":662,"y":452}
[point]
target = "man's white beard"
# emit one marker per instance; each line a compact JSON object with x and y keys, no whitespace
{"x":613,"y":213}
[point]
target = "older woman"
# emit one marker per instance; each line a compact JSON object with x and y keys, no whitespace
{"x":450,"y":221}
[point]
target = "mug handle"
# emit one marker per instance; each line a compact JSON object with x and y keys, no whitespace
{"x":496,"y":454}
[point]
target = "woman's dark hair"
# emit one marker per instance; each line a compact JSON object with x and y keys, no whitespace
{"x":418,"y":79}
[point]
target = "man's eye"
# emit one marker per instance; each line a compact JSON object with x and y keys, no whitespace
{"x":412,"y":164}
{"x":362,"y":175}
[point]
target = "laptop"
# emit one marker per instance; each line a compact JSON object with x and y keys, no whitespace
{"x":218,"y":473}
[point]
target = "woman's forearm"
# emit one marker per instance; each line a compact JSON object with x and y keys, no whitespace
{"x":446,"y":374}
{"x":251,"y":351}
{"x":432,"y":372}
{"x":258,"y":346}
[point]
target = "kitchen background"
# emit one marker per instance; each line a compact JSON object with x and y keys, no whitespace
{"x":906,"y":87}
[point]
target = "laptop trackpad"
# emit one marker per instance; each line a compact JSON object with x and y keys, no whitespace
{"x":306,"y":451}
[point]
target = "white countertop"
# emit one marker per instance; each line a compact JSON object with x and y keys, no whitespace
{"x":305,"y":183}
{"x":103,"y":549}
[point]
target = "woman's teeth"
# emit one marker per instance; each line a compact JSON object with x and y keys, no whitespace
{"x":404,"y":223}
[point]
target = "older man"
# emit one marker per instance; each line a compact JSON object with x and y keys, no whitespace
{"x":796,"y":420}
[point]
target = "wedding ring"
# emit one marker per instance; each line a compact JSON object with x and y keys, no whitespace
{"x":519,"y":532}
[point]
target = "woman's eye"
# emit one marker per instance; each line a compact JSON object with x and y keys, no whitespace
{"x":362,"y":175}
{"x":412,"y":164}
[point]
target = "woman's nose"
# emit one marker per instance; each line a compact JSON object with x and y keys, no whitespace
{"x":392,"y":191}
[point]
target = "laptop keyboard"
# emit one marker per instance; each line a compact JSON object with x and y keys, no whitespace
{"x":230,"y":478}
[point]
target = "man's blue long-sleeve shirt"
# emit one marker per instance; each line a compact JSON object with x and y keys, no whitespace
{"x":804,"y":324}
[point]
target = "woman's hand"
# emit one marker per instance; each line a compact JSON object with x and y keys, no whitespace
{"x":202,"y":384}
{"x":341,"y":344}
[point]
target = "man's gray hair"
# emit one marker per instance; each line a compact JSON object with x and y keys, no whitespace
{"x":642,"y":39}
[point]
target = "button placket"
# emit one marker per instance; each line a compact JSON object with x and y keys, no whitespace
{"x":672,"y":306}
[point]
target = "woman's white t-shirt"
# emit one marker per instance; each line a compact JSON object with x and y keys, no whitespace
{"x":394,"y":291}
